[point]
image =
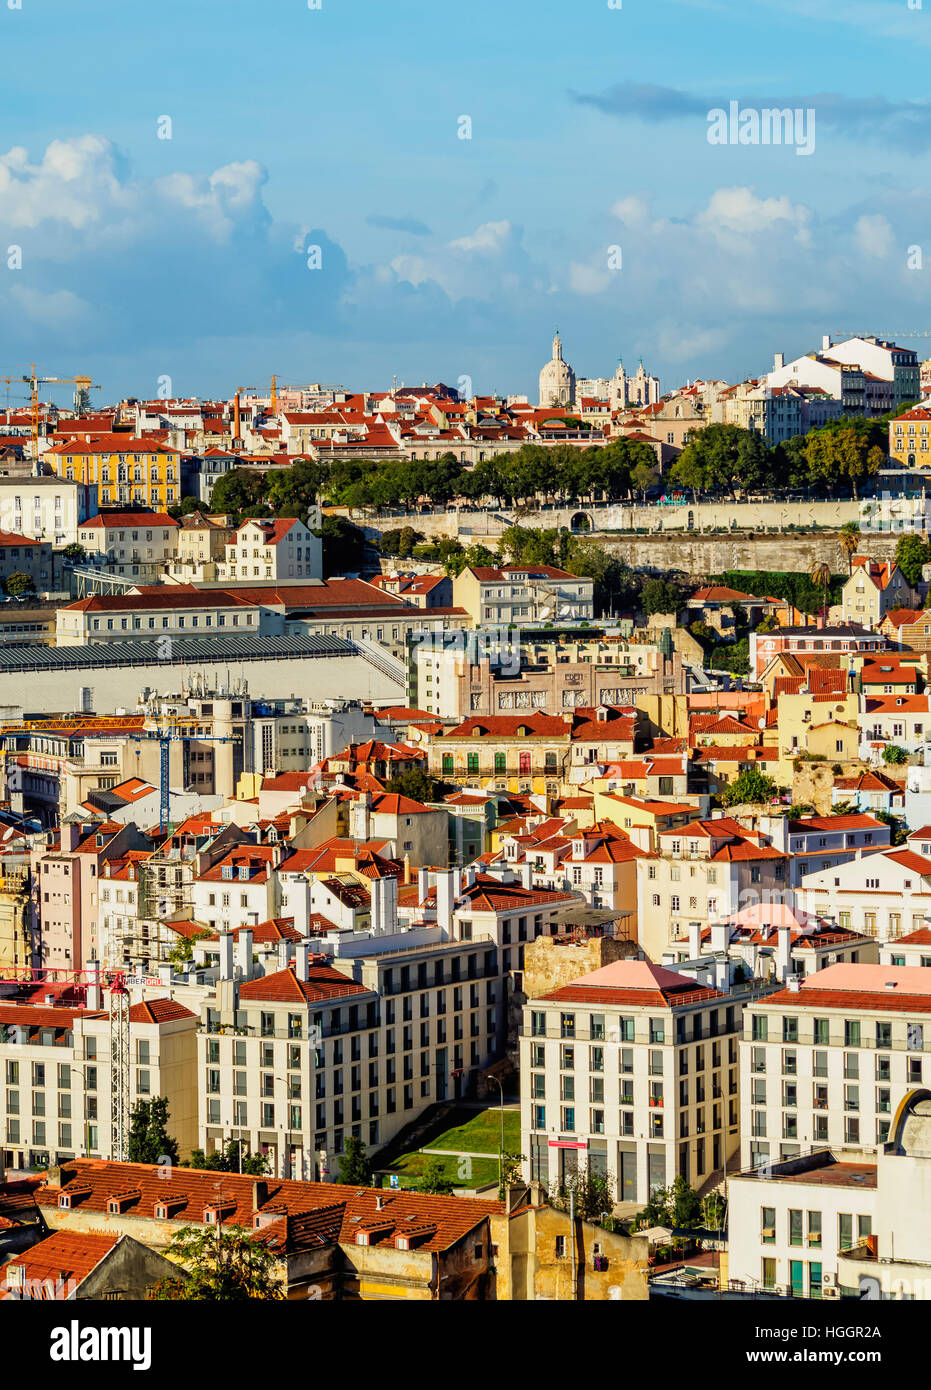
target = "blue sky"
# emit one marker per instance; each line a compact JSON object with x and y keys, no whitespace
{"x":444,"y":257}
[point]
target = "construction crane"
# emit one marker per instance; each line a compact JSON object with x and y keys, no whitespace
{"x":117,"y":983}
{"x":176,"y":728}
{"x":83,"y":385}
{"x":886,"y":337}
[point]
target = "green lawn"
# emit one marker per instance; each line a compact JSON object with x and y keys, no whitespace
{"x":476,"y":1132}
{"x":481,"y":1133}
{"x":461,"y":1172}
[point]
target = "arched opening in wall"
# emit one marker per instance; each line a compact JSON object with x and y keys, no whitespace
{"x":911,"y":460}
{"x":581,"y":522}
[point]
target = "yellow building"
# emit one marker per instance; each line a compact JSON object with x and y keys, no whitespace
{"x":15,"y":939}
{"x":126,"y":469}
{"x":908,"y":438}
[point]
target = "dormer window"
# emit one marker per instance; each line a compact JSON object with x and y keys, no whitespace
{"x":227,"y":871}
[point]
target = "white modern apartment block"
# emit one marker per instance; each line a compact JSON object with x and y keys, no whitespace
{"x":46,"y":508}
{"x":788,"y":1222}
{"x":57,"y":1067}
{"x":827,"y":1060}
{"x":631,"y":1071}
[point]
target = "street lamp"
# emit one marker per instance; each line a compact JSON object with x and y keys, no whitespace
{"x":490,"y":1077}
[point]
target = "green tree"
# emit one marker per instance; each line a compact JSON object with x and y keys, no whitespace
{"x":223,"y":1264}
{"x":344,"y":546}
{"x":593,"y":1194}
{"x":149,"y":1140}
{"x":911,"y":553}
{"x":18,"y":583}
{"x":74,"y":552}
{"x":751,"y":788}
{"x":678,"y":1206}
{"x":510,"y":1172}
{"x":660,"y":596}
{"x":355,"y":1168}
{"x":227,"y":1160}
{"x":238,"y":491}
{"x":892,"y":753}
{"x":418,"y":785}
{"x":733,"y":657}
{"x":843,"y":455}
{"x":433,"y":1179}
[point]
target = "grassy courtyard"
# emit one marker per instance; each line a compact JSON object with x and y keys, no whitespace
{"x":475,"y":1132}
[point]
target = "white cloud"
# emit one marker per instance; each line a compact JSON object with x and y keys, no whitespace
{"x":589,"y":279}
{"x":740,"y":210}
{"x":632,"y":211}
{"x":874,"y":236}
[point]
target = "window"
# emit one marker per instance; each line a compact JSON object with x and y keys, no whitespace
{"x":814,"y":1228}
{"x":768,"y":1224}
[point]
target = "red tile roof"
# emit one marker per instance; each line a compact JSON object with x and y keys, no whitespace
{"x":283,"y":986}
{"x":60,"y":1263}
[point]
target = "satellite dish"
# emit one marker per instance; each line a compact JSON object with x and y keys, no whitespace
{"x":761,"y":722}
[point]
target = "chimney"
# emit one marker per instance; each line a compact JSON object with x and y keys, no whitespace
{"x":526,"y":873}
{"x":384,"y":894}
{"x":302,"y":967}
{"x":244,"y":942}
{"x":783,"y":952}
{"x":779,"y":361}
{"x":445,"y":898}
{"x":70,"y":835}
{"x":226,"y":955}
{"x":284,"y":954}
{"x":94,"y":993}
{"x":826,"y":343}
{"x":259,"y":1193}
{"x":407,"y":869}
{"x":469,"y":876}
{"x":694,"y":940}
{"x":379,"y":1202}
{"x":423,"y":885}
{"x":719,"y":936}
{"x":794,"y":984}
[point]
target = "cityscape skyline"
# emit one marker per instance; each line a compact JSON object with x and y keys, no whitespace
{"x":524,"y":184}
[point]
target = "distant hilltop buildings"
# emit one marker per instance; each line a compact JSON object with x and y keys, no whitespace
{"x":559,"y":387}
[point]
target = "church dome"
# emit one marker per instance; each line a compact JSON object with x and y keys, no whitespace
{"x":557,"y":379}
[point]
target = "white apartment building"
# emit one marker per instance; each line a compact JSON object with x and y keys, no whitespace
{"x":357,"y":1039}
{"x":523,"y":594}
{"x":46,"y":508}
{"x":827,"y":1060}
{"x":274,"y":549}
{"x":901,"y":720}
{"x":814,"y":843}
{"x":788,"y":1221}
{"x":631,"y":1071}
{"x":138,"y":544}
{"x":884,"y":895}
{"x":56,"y":1065}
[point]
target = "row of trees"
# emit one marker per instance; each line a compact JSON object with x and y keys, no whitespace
{"x":837,"y":458}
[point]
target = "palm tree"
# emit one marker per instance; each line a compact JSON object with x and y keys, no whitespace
{"x":819,"y":572}
{"x":849,"y":541}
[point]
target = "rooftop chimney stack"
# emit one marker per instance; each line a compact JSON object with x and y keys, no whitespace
{"x":826,"y":343}
{"x":284,"y":954}
{"x":94,"y":993}
{"x":719,"y":937}
{"x":303,"y":960}
{"x":779,"y":361}
{"x":694,"y":940}
{"x":226,"y":955}
{"x":423,"y":886}
{"x":783,"y":952}
{"x":244,"y":943}
{"x":446,"y":898}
